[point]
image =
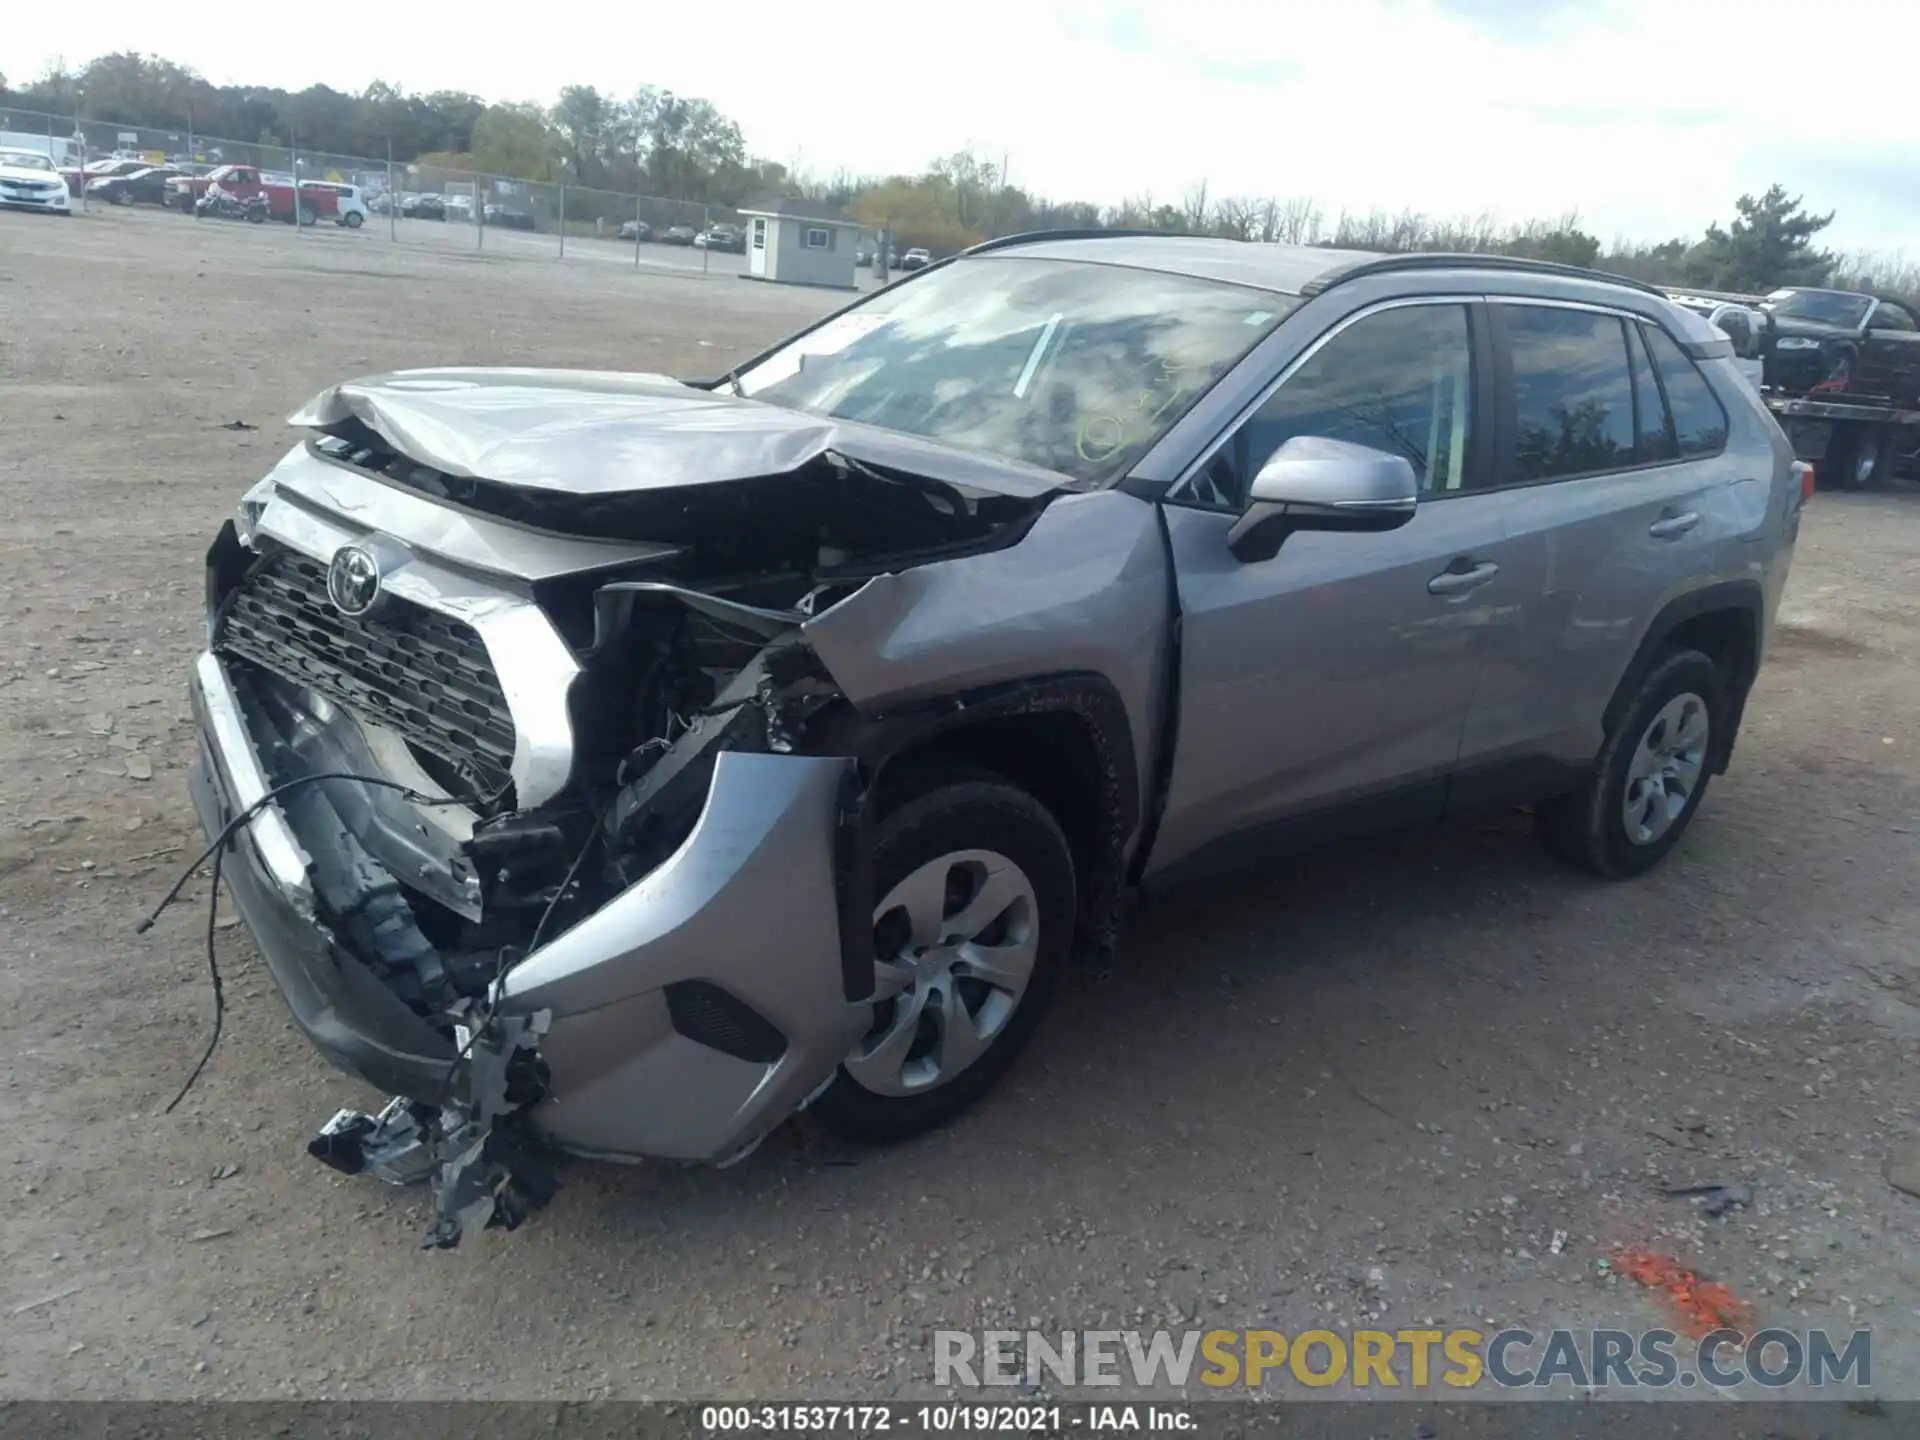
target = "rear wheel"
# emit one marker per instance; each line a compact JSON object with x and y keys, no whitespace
{"x":1861,"y":458}
{"x":972,"y":925}
{"x":120,"y":197}
{"x":353,"y":220}
{"x":1650,"y":777}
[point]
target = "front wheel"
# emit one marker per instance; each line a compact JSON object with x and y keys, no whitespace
{"x":1651,"y":774}
{"x":353,"y":220}
{"x":972,"y":926}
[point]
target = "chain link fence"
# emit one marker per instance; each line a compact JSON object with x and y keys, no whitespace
{"x":407,"y":202}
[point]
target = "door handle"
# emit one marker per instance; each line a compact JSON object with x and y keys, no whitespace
{"x":1451,"y":581}
{"x":1672,"y":527}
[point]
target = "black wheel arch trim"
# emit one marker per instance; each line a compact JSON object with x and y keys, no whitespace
{"x":875,"y":741}
{"x":1744,"y":596}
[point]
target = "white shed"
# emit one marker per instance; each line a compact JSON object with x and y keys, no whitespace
{"x":801,"y":242}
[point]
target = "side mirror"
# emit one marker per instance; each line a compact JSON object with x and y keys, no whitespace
{"x":1316,"y":484}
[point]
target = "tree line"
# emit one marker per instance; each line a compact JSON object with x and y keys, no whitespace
{"x":661,"y":143}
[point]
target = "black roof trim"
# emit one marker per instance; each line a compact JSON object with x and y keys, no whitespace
{"x":1427,"y":260}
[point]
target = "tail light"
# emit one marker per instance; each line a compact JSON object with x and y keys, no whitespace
{"x":1805,"y":471}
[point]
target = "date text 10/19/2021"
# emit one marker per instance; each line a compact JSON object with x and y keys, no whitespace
{"x":943,"y":1418}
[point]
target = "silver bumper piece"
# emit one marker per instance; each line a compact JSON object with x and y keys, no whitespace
{"x":748,"y":904}
{"x":246,"y":783}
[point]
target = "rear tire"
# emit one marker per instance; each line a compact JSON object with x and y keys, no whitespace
{"x":1861,"y":459}
{"x":353,"y":220}
{"x":980,"y":871}
{"x":1650,"y":777}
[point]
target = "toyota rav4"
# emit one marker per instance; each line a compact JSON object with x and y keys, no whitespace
{"x":620,"y":764}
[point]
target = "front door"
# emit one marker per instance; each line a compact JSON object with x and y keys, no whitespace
{"x":757,"y":248}
{"x":1333,"y":682}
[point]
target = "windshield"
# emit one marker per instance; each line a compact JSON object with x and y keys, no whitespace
{"x":1823,"y":307}
{"x":25,"y":160}
{"x":1072,"y":366}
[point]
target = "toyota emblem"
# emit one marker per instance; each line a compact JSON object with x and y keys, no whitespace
{"x":353,"y":580}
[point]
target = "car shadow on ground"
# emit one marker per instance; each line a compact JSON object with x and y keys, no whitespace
{"x":1281,"y":1008}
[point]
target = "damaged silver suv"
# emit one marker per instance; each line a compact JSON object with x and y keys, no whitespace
{"x":619,"y":765}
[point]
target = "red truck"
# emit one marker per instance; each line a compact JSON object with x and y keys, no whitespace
{"x":245,"y":181}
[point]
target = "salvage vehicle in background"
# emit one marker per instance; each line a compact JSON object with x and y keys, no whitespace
{"x":637,"y":231}
{"x":1843,"y":377}
{"x":510,"y":217}
{"x":423,"y":207}
{"x":30,"y":181}
{"x":618,"y":764}
{"x":350,"y":206}
{"x":243,"y":182}
{"x":918,"y":258}
{"x":146,"y":186}
{"x":678,"y":235}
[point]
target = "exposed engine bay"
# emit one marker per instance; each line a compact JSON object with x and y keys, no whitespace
{"x":692,"y":651}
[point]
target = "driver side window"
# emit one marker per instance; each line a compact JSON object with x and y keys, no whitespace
{"x":1399,"y":380}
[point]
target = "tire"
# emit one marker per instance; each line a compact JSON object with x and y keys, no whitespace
{"x":256,"y":216}
{"x":304,"y":215}
{"x":120,"y":197}
{"x":353,"y":220}
{"x":1861,"y":457}
{"x":958,"y":836}
{"x":1682,"y":697}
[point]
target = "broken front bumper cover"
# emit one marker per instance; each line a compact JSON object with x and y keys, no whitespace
{"x":636,"y":1012}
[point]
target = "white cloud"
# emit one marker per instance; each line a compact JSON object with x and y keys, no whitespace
{"x":1647,"y":116}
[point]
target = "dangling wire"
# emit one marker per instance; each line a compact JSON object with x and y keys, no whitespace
{"x":216,"y":852}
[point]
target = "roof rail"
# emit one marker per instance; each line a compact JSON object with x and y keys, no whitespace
{"x":1443,"y":260}
{"x":1031,"y":237}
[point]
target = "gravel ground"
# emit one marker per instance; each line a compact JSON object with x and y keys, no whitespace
{"x":1373,"y":1086}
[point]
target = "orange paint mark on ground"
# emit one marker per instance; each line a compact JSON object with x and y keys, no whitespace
{"x":1700,"y":1305}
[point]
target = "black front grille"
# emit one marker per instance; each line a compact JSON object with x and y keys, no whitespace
{"x":421,"y":675}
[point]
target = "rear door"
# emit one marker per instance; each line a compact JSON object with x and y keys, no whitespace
{"x":1329,"y":685}
{"x":1619,"y":498}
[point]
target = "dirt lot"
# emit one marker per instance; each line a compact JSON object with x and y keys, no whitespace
{"x":1374,"y":1085}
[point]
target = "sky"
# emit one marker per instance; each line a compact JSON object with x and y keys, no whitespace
{"x":1647,"y":117}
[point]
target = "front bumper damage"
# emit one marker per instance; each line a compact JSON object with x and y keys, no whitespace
{"x":684,"y":1019}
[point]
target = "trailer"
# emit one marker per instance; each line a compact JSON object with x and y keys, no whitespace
{"x":1839,"y":369}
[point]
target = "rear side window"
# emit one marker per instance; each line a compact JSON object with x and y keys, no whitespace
{"x":1891,"y":317}
{"x":1699,"y":420}
{"x":1572,"y":391}
{"x":1653,"y":425}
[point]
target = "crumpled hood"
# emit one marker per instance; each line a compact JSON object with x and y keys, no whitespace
{"x":605,"y":432}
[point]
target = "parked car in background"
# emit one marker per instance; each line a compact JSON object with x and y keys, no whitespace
{"x":423,"y":207}
{"x":510,"y":217}
{"x":918,"y":258}
{"x":459,"y":207}
{"x":678,"y":235}
{"x":729,"y":239}
{"x":915,"y":643}
{"x":29,"y":180}
{"x":637,"y":231}
{"x":146,"y":186}
{"x":350,"y":203}
{"x":864,"y":256}
{"x":314,"y":200}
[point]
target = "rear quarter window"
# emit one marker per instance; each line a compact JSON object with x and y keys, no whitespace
{"x":1699,"y":419}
